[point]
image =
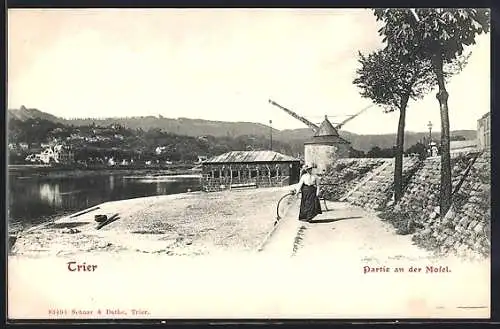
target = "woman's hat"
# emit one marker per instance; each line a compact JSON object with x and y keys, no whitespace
{"x":307,"y":166}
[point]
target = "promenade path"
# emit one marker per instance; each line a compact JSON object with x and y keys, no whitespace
{"x":341,"y":230}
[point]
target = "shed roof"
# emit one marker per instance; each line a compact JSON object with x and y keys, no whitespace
{"x":251,"y":156}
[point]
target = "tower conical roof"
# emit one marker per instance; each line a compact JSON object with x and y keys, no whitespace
{"x":326,"y":129}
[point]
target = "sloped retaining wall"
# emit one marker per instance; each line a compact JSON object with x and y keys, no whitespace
{"x":420,"y":202}
{"x":378,"y":192}
{"x":465,"y":230}
{"x":345,"y":174}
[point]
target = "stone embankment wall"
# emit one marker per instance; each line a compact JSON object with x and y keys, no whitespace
{"x":420,"y":202}
{"x":464,"y":230}
{"x":345,"y":174}
{"x":378,"y":191}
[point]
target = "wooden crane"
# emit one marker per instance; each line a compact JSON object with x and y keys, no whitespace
{"x":313,"y":126}
{"x":296,"y":116}
{"x":339,"y":126}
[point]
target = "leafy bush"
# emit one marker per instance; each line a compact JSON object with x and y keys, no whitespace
{"x":341,"y":166}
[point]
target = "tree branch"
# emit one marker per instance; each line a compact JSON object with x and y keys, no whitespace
{"x":415,"y":15}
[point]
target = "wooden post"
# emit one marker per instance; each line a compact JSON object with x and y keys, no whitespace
{"x":220,"y":178}
{"x":231,"y":177}
{"x":269,"y":174}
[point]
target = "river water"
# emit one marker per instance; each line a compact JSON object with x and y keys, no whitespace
{"x":33,"y":200}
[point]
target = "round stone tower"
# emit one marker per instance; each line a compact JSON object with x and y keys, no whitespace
{"x":325,"y":147}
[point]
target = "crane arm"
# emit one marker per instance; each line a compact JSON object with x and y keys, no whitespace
{"x":339,"y":126}
{"x":296,"y":116}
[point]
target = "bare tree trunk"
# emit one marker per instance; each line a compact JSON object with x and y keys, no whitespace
{"x":398,"y":161}
{"x":442,"y":96}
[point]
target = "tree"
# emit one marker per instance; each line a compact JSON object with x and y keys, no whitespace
{"x":440,"y":36}
{"x":458,"y":138}
{"x":389,"y":82}
{"x":353,"y":153}
{"x":419,"y":149}
{"x":374,"y":152}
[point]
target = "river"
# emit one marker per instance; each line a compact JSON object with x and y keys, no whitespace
{"x":33,"y":200}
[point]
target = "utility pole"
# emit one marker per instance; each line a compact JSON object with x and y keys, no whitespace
{"x":271,"y":132}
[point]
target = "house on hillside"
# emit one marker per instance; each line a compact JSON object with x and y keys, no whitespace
{"x":65,"y":154}
{"x":249,"y":168}
{"x":160,"y":149}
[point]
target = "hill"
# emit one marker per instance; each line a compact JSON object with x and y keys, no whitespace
{"x":24,"y":114}
{"x":200,"y":127}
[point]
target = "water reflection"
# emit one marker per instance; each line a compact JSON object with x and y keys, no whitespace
{"x":111,"y":182}
{"x":159,"y":188}
{"x":34,"y":200}
{"x":50,"y":193}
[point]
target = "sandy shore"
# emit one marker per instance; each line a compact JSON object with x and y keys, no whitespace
{"x":194,"y":223}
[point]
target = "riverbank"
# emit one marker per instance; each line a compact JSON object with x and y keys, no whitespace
{"x":195,"y":223}
{"x":97,"y":166}
{"x":45,"y":171}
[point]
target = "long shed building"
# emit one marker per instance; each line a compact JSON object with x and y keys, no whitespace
{"x":249,"y":168}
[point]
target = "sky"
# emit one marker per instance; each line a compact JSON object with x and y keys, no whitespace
{"x":217,"y":64}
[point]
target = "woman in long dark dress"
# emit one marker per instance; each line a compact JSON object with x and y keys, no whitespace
{"x":309,"y":187}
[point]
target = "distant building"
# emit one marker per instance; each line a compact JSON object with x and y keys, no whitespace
{"x":202,"y":158}
{"x":254,"y":168}
{"x":160,"y":149}
{"x":65,"y":155}
{"x":75,"y":137}
{"x":325,"y":147}
{"x":483,"y":131}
